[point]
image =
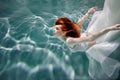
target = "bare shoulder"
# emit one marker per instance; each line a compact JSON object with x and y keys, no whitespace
{"x":77,"y":40}
{"x":70,"y":40}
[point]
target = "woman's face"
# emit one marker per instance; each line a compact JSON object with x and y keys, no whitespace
{"x":58,"y":31}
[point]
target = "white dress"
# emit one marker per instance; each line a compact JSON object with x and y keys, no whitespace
{"x":81,"y":46}
{"x":101,"y":65}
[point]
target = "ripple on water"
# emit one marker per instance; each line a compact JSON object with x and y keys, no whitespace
{"x":4,"y":27}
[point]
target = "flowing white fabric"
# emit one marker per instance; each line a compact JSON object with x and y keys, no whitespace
{"x":80,"y":46}
{"x":101,"y":65}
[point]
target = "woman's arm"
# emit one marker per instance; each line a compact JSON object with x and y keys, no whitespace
{"x":85,"y":17}
{"x":94,"y":35}
{"x":104,"y":31}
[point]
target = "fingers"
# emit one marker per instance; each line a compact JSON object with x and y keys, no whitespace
{"x":92,"y":10}
{"x":95,"y":7}
{"x":117,"y":25}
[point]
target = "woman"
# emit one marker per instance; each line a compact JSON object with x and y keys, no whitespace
{"x":70,"y":32}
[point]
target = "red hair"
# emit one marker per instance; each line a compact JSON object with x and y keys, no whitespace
{"x":69,"y":27}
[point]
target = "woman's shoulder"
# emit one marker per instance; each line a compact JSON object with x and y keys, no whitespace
{"x":83,"y":38}
{"x":78,"y":46}
{"x":69,"y":40}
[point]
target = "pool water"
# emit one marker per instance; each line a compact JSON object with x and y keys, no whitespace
{"x":28,"y":48}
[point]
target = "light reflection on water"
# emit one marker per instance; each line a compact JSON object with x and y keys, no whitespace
{"x":28,"y":48}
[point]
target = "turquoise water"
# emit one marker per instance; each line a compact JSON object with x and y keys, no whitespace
{"x":28,"y":49}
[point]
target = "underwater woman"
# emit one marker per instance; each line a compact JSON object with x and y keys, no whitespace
{"x":100,"y":65}
{"x":70,"y":32}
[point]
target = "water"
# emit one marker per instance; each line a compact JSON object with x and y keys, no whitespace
{"x":28,"y":49}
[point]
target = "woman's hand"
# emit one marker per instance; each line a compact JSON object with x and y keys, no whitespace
{"x":92,"y":10}
{"x":114,"y":27}
{"x":85,"y":17}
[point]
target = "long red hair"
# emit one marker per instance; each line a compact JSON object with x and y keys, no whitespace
{"x":69,"y":27}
